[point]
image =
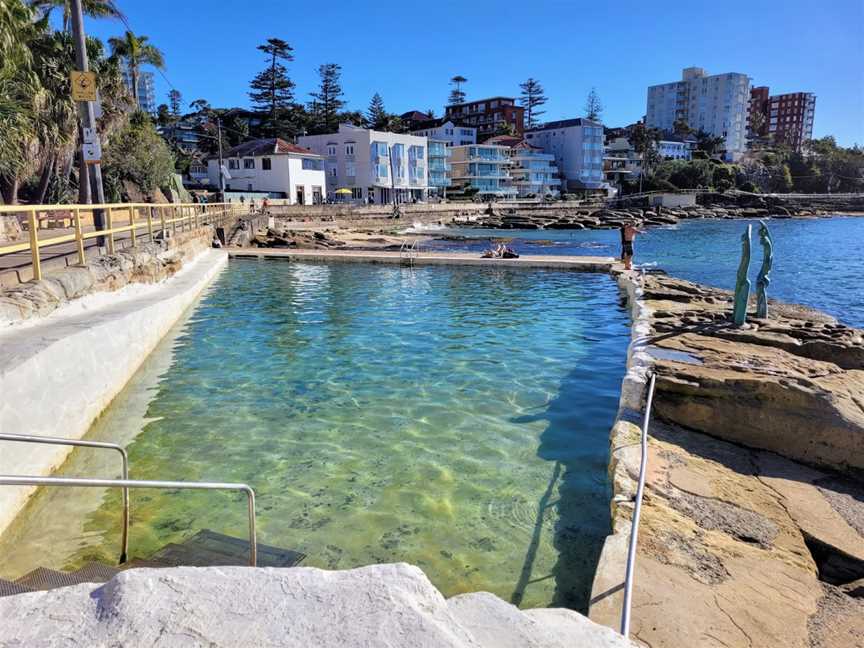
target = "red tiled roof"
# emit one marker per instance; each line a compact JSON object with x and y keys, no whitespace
{"x":268,"y":146}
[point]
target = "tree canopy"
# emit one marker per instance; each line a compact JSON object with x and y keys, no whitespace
{"x":532,"y":99}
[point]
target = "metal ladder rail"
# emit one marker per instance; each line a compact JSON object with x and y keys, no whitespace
{"x":637,"y":510}
{"x":46,"y":440}
{"x":31,"y":480}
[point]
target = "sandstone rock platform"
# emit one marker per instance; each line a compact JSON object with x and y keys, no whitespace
{"x":382,"y":606}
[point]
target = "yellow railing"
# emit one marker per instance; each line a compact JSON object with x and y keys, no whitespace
{"x":134,"y":217}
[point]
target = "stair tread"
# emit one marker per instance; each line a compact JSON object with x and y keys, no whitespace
{"x":268,"y":555}
{"x":183,"y":555}
{"x":43,"y":578}
{"x":10,"y":588}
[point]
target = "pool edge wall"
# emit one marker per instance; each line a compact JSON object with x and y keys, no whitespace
{"x":98,"y":351}
{"x":607,"y":591}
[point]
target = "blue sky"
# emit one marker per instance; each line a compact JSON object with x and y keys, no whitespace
{"x":408,"y":50}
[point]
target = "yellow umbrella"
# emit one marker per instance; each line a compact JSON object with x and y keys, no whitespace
{"x":343,"y":191}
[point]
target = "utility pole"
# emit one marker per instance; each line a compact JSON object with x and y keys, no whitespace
{"x":221,"y":172}
{"x":89,"y":175}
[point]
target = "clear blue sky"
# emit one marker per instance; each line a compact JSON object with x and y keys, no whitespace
{"x":408,"y":50}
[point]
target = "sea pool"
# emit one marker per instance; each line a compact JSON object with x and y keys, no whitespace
{"x":817,"y":262}
{"x":454,"y":418}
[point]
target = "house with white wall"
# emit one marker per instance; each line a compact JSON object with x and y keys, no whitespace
{"x":280,"y":168}
{"x":376,"y":166}
{"x":444,"y":130}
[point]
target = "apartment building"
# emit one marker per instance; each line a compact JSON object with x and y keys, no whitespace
{"x":674,"y":147}
{"x":784,"y":119}
{"x":488,"y":115}
{"x":577,"y":147}
{"x":484,"y":168}
{"x":716,"y":104}
{"x":282,"y":169}
{"x":439,"y":168}
{"x":146,"y":89}
{"x":444,"y":130}
{"x":376,"y":166}
{"x":533,"y":173}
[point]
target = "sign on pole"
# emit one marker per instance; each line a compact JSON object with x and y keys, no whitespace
{"x":83,"y":85}
{"x":92,"y":152}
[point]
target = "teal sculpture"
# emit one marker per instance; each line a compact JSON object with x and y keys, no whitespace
{"x":763,"y":280}
{"x":742,"y":285}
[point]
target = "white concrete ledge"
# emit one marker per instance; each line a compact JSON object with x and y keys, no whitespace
{"x":58,"y":374}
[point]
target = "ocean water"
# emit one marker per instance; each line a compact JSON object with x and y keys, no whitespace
{"x":454,"y":418}
{"x":817,"y":262}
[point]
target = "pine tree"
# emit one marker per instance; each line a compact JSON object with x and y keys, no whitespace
{"x":532,"y":97}
{"x":457,"y":95}
{"x":376,"y":115}
{"x":593,"y":105}
{"x":327,"y":102}
{"x":175,"y":100}
{"x":272,"y":90}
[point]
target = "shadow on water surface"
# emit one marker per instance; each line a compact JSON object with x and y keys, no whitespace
{"x":575,"y":441}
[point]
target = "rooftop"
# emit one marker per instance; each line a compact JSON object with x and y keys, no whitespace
{"x":566,"y":123}
{"x":268,"y":146}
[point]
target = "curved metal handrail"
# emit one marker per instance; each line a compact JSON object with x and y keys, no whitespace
{"x":30,"y":480}
{"x":637,"y":510}
{"x":29,"y":438}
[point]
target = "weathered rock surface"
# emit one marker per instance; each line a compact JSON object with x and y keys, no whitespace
{"x":382,"y":605}
{"x":293,"y":239}
{"x":793,"y":384}
{"x":146,"y":263}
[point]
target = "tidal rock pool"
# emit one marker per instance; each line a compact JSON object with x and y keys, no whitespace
{"x":453,"y":418}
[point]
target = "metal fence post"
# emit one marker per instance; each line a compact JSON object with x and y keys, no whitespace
{"x":34,"y":244}
{"x":110,"y":222}
{"x":79,"y":237}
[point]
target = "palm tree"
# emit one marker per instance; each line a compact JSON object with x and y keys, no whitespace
{"x":136,"y":51}
{"x":92,"y":8}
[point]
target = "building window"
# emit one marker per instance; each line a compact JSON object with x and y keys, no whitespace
{"x":331,"y":149}
{"x":265,"y":164}
{"x":333,"y":172}
{"x":233,"y":164}
{"x":350,"y":170}
{"x":249,"y":163}
{"x":311,"y":164}
{"x":349,"y":149}
{"x":356,"y":193}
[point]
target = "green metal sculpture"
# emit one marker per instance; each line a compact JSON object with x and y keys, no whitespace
{"x":763,"y":280}
{"x":742,"y":285}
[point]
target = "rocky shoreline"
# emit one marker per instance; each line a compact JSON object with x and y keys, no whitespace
{"x":752,"y":530}
{"x":560,"y":216}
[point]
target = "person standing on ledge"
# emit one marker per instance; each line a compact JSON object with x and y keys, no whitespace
{"x":628,"y":237}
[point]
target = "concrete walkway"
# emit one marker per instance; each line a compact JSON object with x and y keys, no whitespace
{"x":580,"y":263}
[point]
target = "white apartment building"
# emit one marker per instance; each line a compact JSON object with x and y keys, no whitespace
{"x":669,"y":149}
{"x":483,"y":167}
{"x":444,"y":130}
{"x":716,"y":104}
{"x":375,"y":166}
{"x":282,"y":169}
{"x":577,"y":145}
{"x":146,"y":89}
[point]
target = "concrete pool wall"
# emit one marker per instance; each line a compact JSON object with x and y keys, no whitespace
{"x":95,"y":343}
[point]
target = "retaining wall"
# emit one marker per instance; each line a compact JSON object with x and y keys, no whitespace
{"x":58,"y":373}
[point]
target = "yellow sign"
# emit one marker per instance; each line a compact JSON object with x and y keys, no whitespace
{"x":83,"y":86}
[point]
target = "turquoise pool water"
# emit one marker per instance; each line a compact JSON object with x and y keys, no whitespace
{"x":818,"y":262}
{"x":454,"y":418}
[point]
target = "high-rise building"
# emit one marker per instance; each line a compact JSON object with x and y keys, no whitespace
{"x":488,"y":115}
{"x":146,"y":90}
{"x":783,"y":119}
{"x":716,"y":104}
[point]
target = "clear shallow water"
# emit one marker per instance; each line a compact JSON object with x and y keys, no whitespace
{"x":817,"y":262}
{"x":454,"y":418}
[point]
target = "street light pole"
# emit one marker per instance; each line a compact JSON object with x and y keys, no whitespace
{"x":89,"y":175}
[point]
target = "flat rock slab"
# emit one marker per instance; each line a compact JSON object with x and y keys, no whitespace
{"x":381,"y":605}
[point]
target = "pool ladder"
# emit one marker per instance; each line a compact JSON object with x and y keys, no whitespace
{"x":409,"y":253}
{"x":125,"y":484}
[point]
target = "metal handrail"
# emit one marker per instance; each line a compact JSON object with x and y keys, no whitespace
{"x":31,"y":480}
{"x":29,"y":438}
{"x":637,"y":510}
